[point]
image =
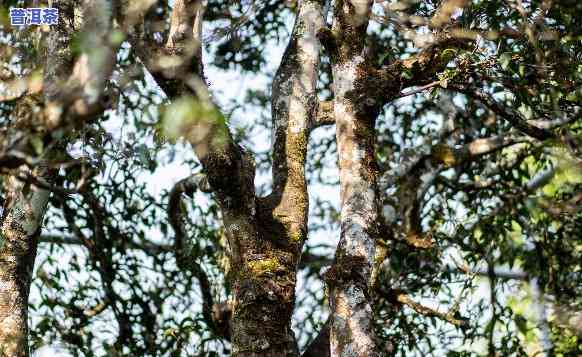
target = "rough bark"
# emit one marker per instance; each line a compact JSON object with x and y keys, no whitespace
{"x":22,"y":217}
{"x":264,"y":299}
{"x":352,"y":332}
{"x":265,"y":235}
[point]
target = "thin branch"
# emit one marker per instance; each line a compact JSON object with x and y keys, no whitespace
{"x":44,"y":184}
{"x":418,"y":90}
{"x":98,"y":258}
{"x":507,"y":113}
{"x":448,"y":155}
{"x":421,"y":168}
{"x":405,"y":299}
{"x":500,"y":272}
{"x":421,"y":69}
{"x":146,"y":247}
{"x":176,"y":215}
{"x":539,"y":180}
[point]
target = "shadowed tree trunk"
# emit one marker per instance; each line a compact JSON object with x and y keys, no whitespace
{"x":22,"y":217}
{"x":265,"y":234}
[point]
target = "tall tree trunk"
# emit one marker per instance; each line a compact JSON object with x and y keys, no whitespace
{"x":352,"y":331}
{"x":22,"y":217}
{"x":265,"y":299}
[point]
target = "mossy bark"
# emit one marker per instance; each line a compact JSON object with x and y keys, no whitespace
{"x":269,"y":250}
{"x":265,"y":235}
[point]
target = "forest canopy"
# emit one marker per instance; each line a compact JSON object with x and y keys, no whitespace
{"x":291,"y":178}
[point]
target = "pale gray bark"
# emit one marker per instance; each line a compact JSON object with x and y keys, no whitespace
{"x":352,"y":331}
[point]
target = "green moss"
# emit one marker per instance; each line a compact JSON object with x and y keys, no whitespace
{"x":262,"y":266}
{"x":296,"y":236}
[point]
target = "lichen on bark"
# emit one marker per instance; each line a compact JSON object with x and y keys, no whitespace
{"x":352,"y":331}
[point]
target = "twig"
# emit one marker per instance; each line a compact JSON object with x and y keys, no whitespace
{"x":404,"y":299}
{"x":418,"y":90}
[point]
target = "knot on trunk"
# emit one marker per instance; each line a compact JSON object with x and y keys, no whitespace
{"x":349,"y":271}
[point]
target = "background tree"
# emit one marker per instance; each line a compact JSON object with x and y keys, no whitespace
{"x":441,"y":216}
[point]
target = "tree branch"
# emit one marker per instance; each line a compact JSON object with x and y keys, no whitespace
{"x":404,"y":299}
{"x":178,"y":70}
{"x":448,"y":155}
{"x":98,"y":250}
{"x":294,"y":104}
{"x":81,"y":96}
{"x":176,"y":215}
{"x":507,"y":113}
{"x":418,"y":70}
{"x":146,"y":247}
{"x":355,"y":111}
{"x":418,"y":171}
{"x":177,"y":65}
{"x":502,"y":273}
{"x":418,"y":90}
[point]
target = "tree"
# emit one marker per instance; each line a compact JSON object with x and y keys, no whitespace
{"x":456,"y":153}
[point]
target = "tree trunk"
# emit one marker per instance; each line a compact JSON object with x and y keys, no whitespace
{"x":352,"y":330}
{"x":265,"y":287}
{"x":22,"y":217}
{"x":265,"y":235}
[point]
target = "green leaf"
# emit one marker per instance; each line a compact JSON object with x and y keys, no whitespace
{"x":505,"y":60}
{"x":37,"y":144}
